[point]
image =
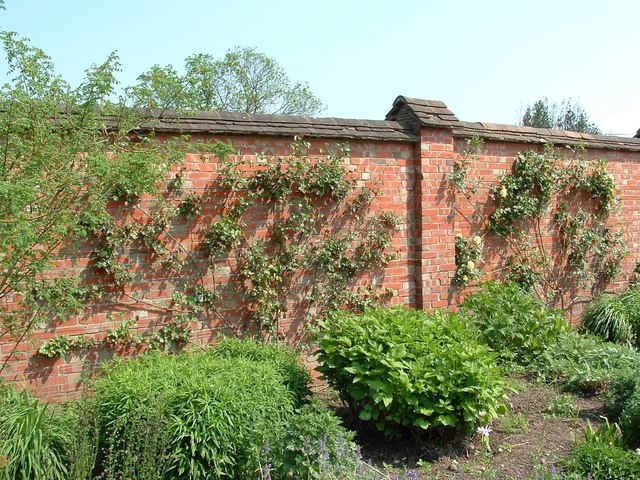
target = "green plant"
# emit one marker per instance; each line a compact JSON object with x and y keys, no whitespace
{"x":283,"y":358}
{"x":223,"y":234}
{"x":34,"y":438}
{"x":615,"y":318}
{"x":544,"y":196}
{"x":314,"y":441}
{"x":190,"y":206}
{"x":218,"y":411}
{"x":468,"y":258}
{"x":563,"y":405}
{"x":62,"y":344}
{"x":404,"y":368}
{"x":514,"y":323}
{"x":513,"y":424}
{"x":122,"y":334}
{"x":583,"y":363}
{"x":623,"y":404}
{"x":602,"y":455}
{"x":139,"y":450}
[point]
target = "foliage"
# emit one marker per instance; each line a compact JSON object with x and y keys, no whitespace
{"x":623,"y":404}
{"x":244,"y":80}
{"x":602,"y":455}
{"x":545,"y":196}
{"x":563,"y":405}
{"x":62,"y":344}
{"x":568,"y":115}
{"x":218,"y":411}
{"x":34,"y":438}
{"x":583,"y":363}
{"x":404,"y":368}
{"x":285,"y":360}
{"x":313,"y":441}
{"x":317,"y":246}
{"x":66,"y":153}
{"x":615,"y":318}
{"x":518,"y":326}
{"x":468,"y":257}
{"x":139,"y":449}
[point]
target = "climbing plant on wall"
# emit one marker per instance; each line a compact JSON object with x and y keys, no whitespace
{"x":550,"y":219}
{"x":65,"y":153}
{"x":318,"y":239}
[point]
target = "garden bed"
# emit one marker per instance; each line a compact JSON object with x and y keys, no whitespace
{"x":540,"y":429}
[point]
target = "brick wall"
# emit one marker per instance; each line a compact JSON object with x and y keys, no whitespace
{"x":409,"y":155}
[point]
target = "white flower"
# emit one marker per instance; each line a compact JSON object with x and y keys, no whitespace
{"x":458,"y":235}
{"x":465,"y":278}
{"x":485,"y":431}
{"x":471,"y":265}
{"x":482,"y":413}
{"x":637,"y":451}
{"x":503,"y":191}
{"x":477,"y":240}
{"x":611,"y":177}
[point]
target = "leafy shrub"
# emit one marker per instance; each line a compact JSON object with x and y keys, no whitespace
{"x":284,"y":359}
{"x":314,"y":442}
{"x":603,"y":462}
{"x":33,"y":438}
{"x":517,"y":325}
{"x":405,"y":368}
{"x":602,"y":455}
{"x":623,"y":404}
{"x":583,"y":363}
{"x":615,"y":318}
{"x":218,"y":411}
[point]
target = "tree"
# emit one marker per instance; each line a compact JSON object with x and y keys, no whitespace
{"x":244,"y":80}
{"x":64,"y":154}
{"x":568,"y":115}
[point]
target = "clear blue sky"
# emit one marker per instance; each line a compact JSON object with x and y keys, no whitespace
{"x":484,"y":59}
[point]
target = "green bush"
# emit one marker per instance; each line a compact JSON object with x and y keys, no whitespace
{"x":33,"y":438}
{"x":603,"y":461}
{"x":615,"y":318}
{"x":284,"y":359}
{"x":314,"y":442}
{"x":405,"y":368}
{"x":583,"y":363}
{"x":514,"y":323}
{"x":623,"y":404}
{"x":218,"y":412}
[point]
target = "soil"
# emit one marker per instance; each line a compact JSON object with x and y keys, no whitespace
{"x":529,"y":439}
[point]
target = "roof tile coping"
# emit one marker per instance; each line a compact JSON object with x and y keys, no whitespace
{"x":430,"y":113}
{"x":285,"y":125}
{"x":400,"y":125}
{"x":524,"y":134}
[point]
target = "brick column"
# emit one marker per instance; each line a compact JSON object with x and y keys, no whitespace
{"x":435,"y":214}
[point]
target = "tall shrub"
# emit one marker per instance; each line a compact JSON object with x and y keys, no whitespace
{"x":219,"y":412}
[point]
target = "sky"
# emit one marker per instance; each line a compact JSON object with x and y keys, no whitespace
{"x":486,"y":60}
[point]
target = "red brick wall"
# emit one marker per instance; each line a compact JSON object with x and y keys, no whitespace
{"x":413,"y":186}
{"x":496,"y":158}
{"x":387,"y":165}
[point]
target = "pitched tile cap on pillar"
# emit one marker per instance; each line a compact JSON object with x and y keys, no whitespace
{"x":637,"y":135}
{"x":418,"y":113}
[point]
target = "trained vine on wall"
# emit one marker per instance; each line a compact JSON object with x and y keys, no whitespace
{"x":318,"y":239}
{"x":549,"y":217}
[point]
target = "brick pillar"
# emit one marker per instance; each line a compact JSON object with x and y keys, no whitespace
{"x":435,"y":214}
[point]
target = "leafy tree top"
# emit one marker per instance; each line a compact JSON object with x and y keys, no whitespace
{"x":244,"y":80}
{"x":568,"y":115}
